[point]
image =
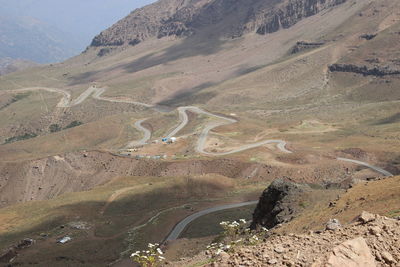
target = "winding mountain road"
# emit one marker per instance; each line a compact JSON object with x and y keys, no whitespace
{"x":96,"y":93}
{"x":201,"y":143}
{"x":377,"y":169}
{"x":146,"y":135}
{"x":180,"y":227}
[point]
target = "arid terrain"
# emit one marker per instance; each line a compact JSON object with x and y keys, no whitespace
{"x":242,"y":93}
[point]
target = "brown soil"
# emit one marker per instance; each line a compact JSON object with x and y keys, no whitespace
{"x":73,"y":172}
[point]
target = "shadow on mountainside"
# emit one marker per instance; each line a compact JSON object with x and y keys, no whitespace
{"x":189,"y":47}
{"x":109,"y":223}
{"x":83,"y":78}
{"x":391,"y":119}
{"x":190,"y":96}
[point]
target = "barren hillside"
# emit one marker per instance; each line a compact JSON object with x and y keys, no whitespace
{"x":184,"y":106}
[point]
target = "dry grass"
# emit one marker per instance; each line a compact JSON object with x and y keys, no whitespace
{"x":379,"y":197}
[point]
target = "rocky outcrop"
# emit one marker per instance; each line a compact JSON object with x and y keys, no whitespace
{"x":289,"y":14}
{"x":227,"y":18}
{"x":303,"y":45}
{"x":364,"y":70}
{"x":278,"y":204}
{"x":368,"y":36}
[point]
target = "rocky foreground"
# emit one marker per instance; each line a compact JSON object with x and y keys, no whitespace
{"x":372,"y":240}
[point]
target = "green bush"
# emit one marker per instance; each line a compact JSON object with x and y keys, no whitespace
{"x":73,"y":124}
{"x":55,"y":128}
{"x":20,"y":137}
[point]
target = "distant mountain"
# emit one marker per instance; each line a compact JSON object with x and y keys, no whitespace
{"x":48,"y":31}
{"x":34,"y":40}
{"x":229,"y":18}
{"x":8,"y":65}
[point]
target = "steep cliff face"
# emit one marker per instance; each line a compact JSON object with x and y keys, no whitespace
{"x":228,"y":18}
{"x":289,"y":13}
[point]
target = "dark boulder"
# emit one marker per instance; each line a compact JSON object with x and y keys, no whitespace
{"x":278,"y":203}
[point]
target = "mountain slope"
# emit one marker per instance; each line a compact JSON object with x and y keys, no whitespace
{"x":227,"y":18}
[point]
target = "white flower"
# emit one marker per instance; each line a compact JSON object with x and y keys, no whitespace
{"x":159,"y":251}
{"x":150,"y":245}
{"x":242,"y":220}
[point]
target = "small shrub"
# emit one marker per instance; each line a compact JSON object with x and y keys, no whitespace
{"x":19,"y":138}
{"x":55,"y":128}
{"x":73,"y":124}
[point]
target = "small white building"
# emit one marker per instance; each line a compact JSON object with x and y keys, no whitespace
{"x":64,"y":240}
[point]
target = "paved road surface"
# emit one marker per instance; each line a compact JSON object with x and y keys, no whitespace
{"x":178,"y":229}
{"x":222,"y":120}
{"x":146,"y":135}
{"x":380,"y":170}
{"x":200,"y":147}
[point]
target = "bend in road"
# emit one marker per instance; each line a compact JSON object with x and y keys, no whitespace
{"x":377,"y":169}
{"x":146,"y":134}
{"x":200,"y":147}
{"x":180,"y":227}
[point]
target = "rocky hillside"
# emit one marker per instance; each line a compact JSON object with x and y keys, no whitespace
{"x":226,"y":17}
{"x":371,"y":241}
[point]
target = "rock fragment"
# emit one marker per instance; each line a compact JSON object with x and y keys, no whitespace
{"x":352,"y":253}
{"x":333,"y":224}
{"x":366,"y":217}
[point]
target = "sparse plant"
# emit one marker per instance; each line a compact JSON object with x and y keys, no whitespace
{"x":55,"y":128}
{"x":236,"y":233}
{"x":233,"y":229}
{"x":73,"y":124}
{"x":151,"y":257}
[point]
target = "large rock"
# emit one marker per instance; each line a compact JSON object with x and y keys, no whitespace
{"x":366,"y":217}
{"x":352,"y":253}
{"x":278,"y":203}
